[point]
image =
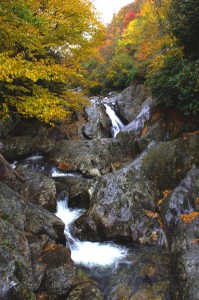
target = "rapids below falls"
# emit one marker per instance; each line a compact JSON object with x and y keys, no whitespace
{"x":117,"y":269}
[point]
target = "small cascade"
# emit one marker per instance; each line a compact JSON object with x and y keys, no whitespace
{"x":34,"y":162}
{"x":88,"y":253}
{"x":56,"y":173}
{"x":117,"y":124}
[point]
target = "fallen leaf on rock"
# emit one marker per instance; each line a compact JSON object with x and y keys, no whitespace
{"x":188,"y":218}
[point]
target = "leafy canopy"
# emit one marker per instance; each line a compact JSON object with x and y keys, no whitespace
{"x":43,"y":45}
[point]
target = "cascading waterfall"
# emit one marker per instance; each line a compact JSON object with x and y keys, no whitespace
{"x":87,"y":253}
{"x":117,"y":124}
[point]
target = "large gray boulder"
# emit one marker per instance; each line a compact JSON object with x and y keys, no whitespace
{"x":15,"y":262}
{"x":119,"y":210}
{"x":180,"y":213}
{"x":98,"y":124}
{"x":129,"y":102}
{"x":60,"y":273}
{"x":40,"y":221}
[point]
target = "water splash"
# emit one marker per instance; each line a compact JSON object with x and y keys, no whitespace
{"x":87,"y":253}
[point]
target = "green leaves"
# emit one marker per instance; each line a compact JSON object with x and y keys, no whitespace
{"x":177,"y":83}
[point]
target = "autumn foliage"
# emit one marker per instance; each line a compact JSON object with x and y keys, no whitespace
{"x":154,"y":41}
{"x":43,"y":45}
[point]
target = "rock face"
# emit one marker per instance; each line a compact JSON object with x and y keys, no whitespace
{"x":119,"y":208}
{"x":98,"y":124}
{"x":129,"y":102}
{"x":25,"y":231}
{"x":141,"y":187}
{"x":90,"y":156}
{"x":180,"y":212}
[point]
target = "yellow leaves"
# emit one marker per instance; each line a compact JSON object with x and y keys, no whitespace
{"x":149,"y":36}
{"x":45,"y":43}
{"x":188,"y":218}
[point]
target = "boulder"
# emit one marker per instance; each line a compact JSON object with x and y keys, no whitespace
{"x":40,"y":221}
{"x":6,"y":171}
{"x":180,"y":213}
{"x":129,"y":102}
{"x":119,"y":209}
{"x":7,"y":125}
{"x":98,"y":123}
{"x":60,"y":272}
{"x":147,"y":278}
{"x":20,"y":146}
{"x":15,"y":262}
{"x":85,"y":290}
{"x":93,"y":157}
{"x":168,"y":162}
{"x":39,"y":189}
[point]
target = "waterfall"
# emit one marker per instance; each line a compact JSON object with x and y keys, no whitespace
{"x":117,"y":124}
{"x":87,"y":253}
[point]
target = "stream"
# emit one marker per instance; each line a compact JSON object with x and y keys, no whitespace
{"x":87,"y":253}
{"x":120,"y":270}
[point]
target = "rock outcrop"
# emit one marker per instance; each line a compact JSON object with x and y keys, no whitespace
{"x":141,"y":187}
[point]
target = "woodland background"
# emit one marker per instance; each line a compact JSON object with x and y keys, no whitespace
{"x":49,"y":48}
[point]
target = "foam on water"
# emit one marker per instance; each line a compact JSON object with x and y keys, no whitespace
{"x":96,"y":254}
{"x":88,"y":253}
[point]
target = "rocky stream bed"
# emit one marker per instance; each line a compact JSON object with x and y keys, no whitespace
{"x":139,"y":190}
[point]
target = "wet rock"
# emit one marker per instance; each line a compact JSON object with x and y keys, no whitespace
{"x":40,"y":221}
{"x":85,"y":290}
{"x":60,"y":272}
{"x":129,"y":102}
{"x":40,"y":189}
{"x":7,"y":125}
{"x":36,"y":245}
{"x":167,"y":163}
{"x":14,"y":248}
{"x":117,"y":210}
{"x":136,"y":126}
{"x":12,"y":147}
{"x":80,"y":194}
{"x":98,"y":124}
{"x":144,"y":274}
{"x":36,"y":188}
{"x":180,"y":213}
{"x":98,"y":154}
{"x":11,"y":207}
{"x":5,"y":169}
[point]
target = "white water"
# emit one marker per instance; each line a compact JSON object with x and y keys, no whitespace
{"x":56,"y":173}
{"x":117,"y":124}
{"x":87,"y":253}
{"x":34,"y":157}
